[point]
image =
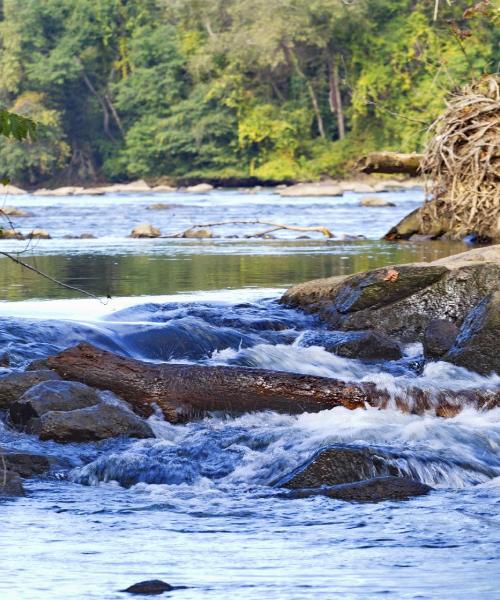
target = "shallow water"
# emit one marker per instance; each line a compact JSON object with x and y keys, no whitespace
{"x":195,"y":506}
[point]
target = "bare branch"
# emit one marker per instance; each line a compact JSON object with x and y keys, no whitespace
{"x":276,"y":226}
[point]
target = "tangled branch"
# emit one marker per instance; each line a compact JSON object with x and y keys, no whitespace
{"x":273,"y":227}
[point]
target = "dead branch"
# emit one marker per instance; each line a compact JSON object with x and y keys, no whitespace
{"x":275,"y":227}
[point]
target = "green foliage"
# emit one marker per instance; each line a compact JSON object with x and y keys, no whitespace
{"x":128,"y":88}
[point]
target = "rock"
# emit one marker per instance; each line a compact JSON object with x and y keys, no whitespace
{"x":145,"y":230}
{"x":407,"y":227}
{"x":12,"y":211}
{"x":370,"y":490}
{"x":364,"y":345}
{"x":388,"y":185}
{"x":10,"y":484}
{"x":151,"y":587}
{"x":198,"y":233}
{"x":4,"y":359}
{"x":477,"y":344}
{"x":98,"y":422}
{"x":439,"y":336}
{"x":94,"y":191}
{"x":25,"y":464}
{"x":87,"y":236}
{"x":10,"y":234}
{"x":52,"y":396}
{"x":13,"y":386}
{"x":11,"y":190}
{"x":69,"y":190}
{"x":163,"y":189}
{"x":375,"y":201}
{"x":401,"y":301}
{"x":116,"y":188}
{"x":38,"y":234}
{"x":312,"y":189}
{"x":162,"y":206}
{"x":200,"y":188}
{"x":356,"y":186}
{"x":337,"y":465}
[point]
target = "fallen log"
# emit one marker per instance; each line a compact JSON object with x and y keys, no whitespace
{"x":184,"y":392}
{"x":391,"y":162}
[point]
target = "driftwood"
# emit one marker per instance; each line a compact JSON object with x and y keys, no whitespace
{"x":272,"y":227}
{"x":183,"y":392}
{"x":391,"y":162}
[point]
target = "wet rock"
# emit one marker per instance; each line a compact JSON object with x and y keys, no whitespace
{"x":198,"y":233}
{"x":151,"y":587}
{"x":401,"y":301}
{"x":98,"y":422}
{"x":338,"y":465}
{"x":439,"y":337}
{"x":52,"y":396}
{"x":82,"y":236}
{"x":364,"y":345}
{"x":10,"y":234}
{"x":413,"y":224}
{"x":370,"y":490}
{"x":4,"y":359}
{"x":476,"y":346}
{"x":25,"y":464}
{"x":162,"y":206}
{"x":166,"y":189}
{"x":12,"y":211}
{"x":10,"y":484}
{"x":13,"y":386}
{"x":375,"y":201}
{"x":313,"y":189}
{"x":145,"y":230}
{"x":38,"y":234}
{"x":200,"y":188}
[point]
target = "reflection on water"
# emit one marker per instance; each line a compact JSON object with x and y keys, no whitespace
{"x":207,"y":267}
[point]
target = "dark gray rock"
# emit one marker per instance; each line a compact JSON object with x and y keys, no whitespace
{"x":439,"y":337}
{"x":149,"y":588}
{"x":25,"y":464}
{"x":364,"y":345}
{"x":401,"y":301}
{"x":477,"y":344}
{"x":98,"y":422}
{"x":370,"y":490}
{"x":337,"y":465}
{"x":10,"y":483}
{"x":13,"y":386}
{"x":52,"y":396}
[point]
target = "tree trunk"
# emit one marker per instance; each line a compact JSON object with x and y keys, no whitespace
{"x":335,"y":98}
{"x":183,"y":392}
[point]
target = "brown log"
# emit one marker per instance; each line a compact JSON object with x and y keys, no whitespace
{"x":183,"y":392}
{"x":391,"y":162}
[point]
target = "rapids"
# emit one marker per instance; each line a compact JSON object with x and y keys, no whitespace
{"x":196,"y":505}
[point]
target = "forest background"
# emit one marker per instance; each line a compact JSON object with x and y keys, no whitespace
{"x":276,"y":90}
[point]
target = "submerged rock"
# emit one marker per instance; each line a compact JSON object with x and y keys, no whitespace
{"x":402,"y":300}
{"x":13,"y":211}
{"x":338,"y":465}
{"x":150,"y":587}
{"x":439,"y":337}
{"x":13,"y":386}
{"x":376,"y":201}
{"x":370,"y":490}
{"x":10,"y":484}
{"x":363,"y":345}
{"x":98,"y":422}
{"x":25,"y":464}
{"x":477,"y":344}
{"x":52,"y":396}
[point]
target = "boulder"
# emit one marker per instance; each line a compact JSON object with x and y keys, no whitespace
{"x":197,"y":233}
{"x":10,"y":234}
{"x":162,"y":206}
{"x":150,"y":588}
{"x":165,"y":189}
{"x":439,"y":337}
{"x":94,"y":423}
{"x":338,"y":465}
{"x":11,"y":190}
{"x":370,"y":490}
{"x":477,"y":344}
{"x":413,"y":225}
{"x":51,"y":396}
{"x":13,"y":386}
{"x":200,"y":188}
{"x":10,"y":484}
{"x":388,"y":185}
{"x":145,"y":230}
{"x":312,"y":189}
{"x":69,"y":190}
{"x":12,"y":211}
{"x":356,"y":186}
{"x":375,"y":201}
{"x":364,"y":345}
{"x":401,"y":301}
{"x":39,"y":234}
{"x":25,"y":464}
{"x":94,"y":191}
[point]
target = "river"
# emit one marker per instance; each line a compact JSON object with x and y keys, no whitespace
{"x":195,"y":505}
